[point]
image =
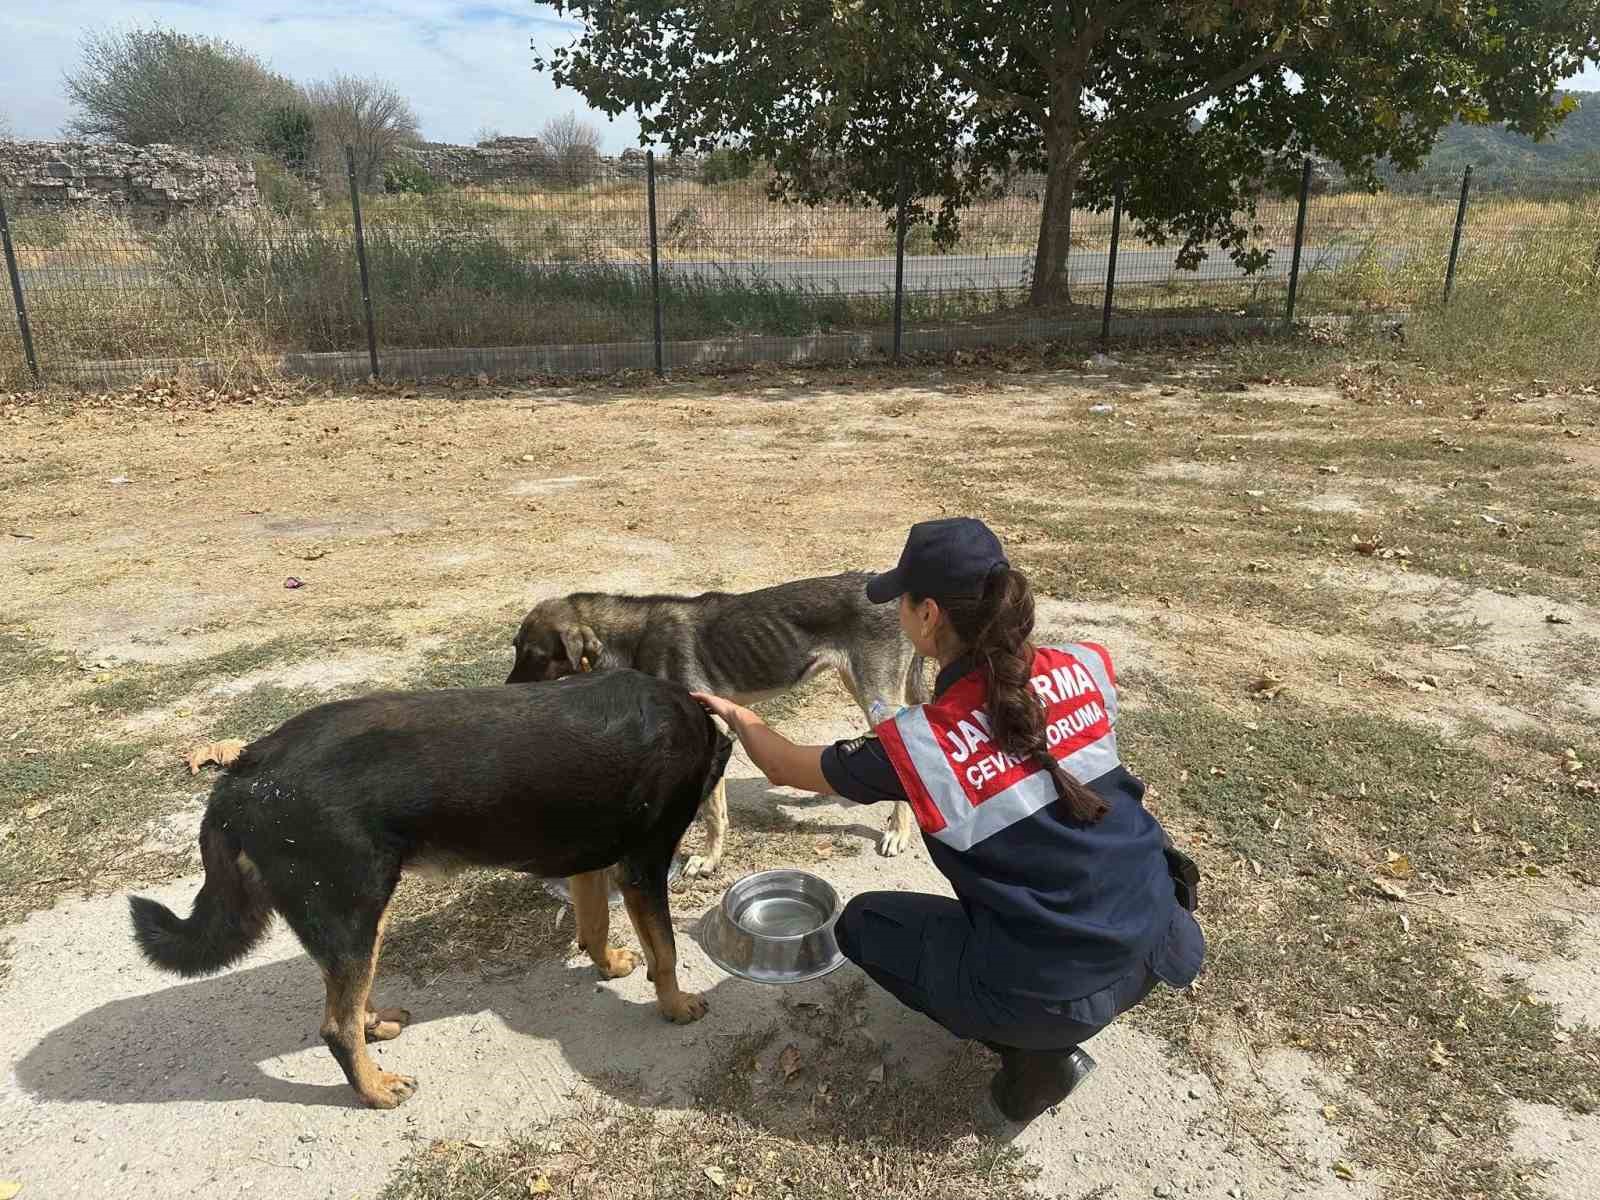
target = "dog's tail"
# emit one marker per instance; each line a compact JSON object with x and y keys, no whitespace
{"x":230,"y":915}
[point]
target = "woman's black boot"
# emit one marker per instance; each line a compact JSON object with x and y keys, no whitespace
{"x":1031,"y":1081}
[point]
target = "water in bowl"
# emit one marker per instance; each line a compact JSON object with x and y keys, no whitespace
{"x":781,"y":914}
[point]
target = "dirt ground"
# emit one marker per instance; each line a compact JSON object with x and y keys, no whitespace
{"x":1354,"y":617}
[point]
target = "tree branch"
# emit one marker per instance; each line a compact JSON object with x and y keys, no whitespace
{"x":1183,"y":104}
{"x":994,"y":93}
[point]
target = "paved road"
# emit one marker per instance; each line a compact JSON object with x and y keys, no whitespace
{"x":953,"y":272}
{"x":857,"y":276}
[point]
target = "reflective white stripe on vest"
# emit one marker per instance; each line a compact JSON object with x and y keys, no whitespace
{"x":933,"y":768}
{"x":1026,"y":797}
{"x":967,"y":824}
{"x":1097,"y":669}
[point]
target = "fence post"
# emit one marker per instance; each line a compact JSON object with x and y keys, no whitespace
{"x":1111,"y":266}
{"x":655,"y":254}
{"x":1455,"y":240}
{"x":361,"y":258}
{"x":16,"y":293}
{"x":1299,"y":240}
{"x":900,"y":261}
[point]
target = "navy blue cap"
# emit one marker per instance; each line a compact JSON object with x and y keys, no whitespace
{"x":950,"y":558}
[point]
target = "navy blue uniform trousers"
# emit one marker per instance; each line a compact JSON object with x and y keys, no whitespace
{"x":916,"y":947}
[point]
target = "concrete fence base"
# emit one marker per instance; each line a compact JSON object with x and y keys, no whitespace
{"x":608,"y":357}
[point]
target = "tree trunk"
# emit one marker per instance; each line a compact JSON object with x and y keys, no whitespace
{"x":1051,"y":284}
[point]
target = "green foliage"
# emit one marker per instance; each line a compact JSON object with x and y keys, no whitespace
{"x":404,"y":176}
{"x":284,"y":194}
{"x":724,"y":165}
{"x":289,"y":135}
{"x":963,"y":94}
{"x":149,"y":85}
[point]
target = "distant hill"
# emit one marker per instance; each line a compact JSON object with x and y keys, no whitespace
{"x":1496,"y":153}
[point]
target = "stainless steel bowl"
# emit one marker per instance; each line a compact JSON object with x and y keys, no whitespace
{"x":774,"y":927}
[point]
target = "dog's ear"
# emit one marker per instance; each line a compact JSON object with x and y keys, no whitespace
{"x":581,"y":646}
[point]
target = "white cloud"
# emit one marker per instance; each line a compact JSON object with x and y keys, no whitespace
{"x":463,"y":65}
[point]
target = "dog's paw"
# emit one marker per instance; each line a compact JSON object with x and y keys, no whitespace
{"x":386,"y":1023}
{"x":619,"y":963}
{"x":391,"y":1091}
{"x":684,"y":1008}
{"x":894,"y":841}
{"x":699,"y":866}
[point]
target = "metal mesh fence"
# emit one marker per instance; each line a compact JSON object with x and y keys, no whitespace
{"x":553,"y":274}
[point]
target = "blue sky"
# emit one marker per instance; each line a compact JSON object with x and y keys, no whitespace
{"x":465,"y":66}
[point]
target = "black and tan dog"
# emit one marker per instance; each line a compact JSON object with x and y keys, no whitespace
{"x":594,"y":778}
{"x":746,"y":646}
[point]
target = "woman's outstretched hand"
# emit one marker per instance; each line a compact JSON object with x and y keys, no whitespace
{"x":774,"y":755}
{"x":718,"y":707}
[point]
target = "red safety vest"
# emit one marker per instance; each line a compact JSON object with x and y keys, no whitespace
{"x":962,"y":786}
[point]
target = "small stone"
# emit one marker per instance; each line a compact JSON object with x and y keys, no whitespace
{"x":1078,"y":1158}
{"x":1196,"y":1094}
{"x":1162,"y":1191}
{"x":1235,"y":1192}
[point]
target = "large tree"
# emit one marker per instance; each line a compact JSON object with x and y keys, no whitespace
{"x":574,"y":147}
{"x":368,"y":115}
{"x":1193,"y":105}
{"x":147,"y":85}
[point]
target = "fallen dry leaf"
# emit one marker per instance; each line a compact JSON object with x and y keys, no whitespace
{"x":1344,"y":1170}
{"x":1438,"y":1056}
{"x":9,"y":1188}
{"x":1398,"y":866}
{"x":1330,"y":1111}
{"x":1267,"y":687}
{"x":1389,"y":891}
{"x":1366,"y":545}
{"x":539,"y":1185}
{"x":789,"y":1060}
{"x":223,"y":753}
{"x":716,"y":1175}
{"x":876,"y":1074}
